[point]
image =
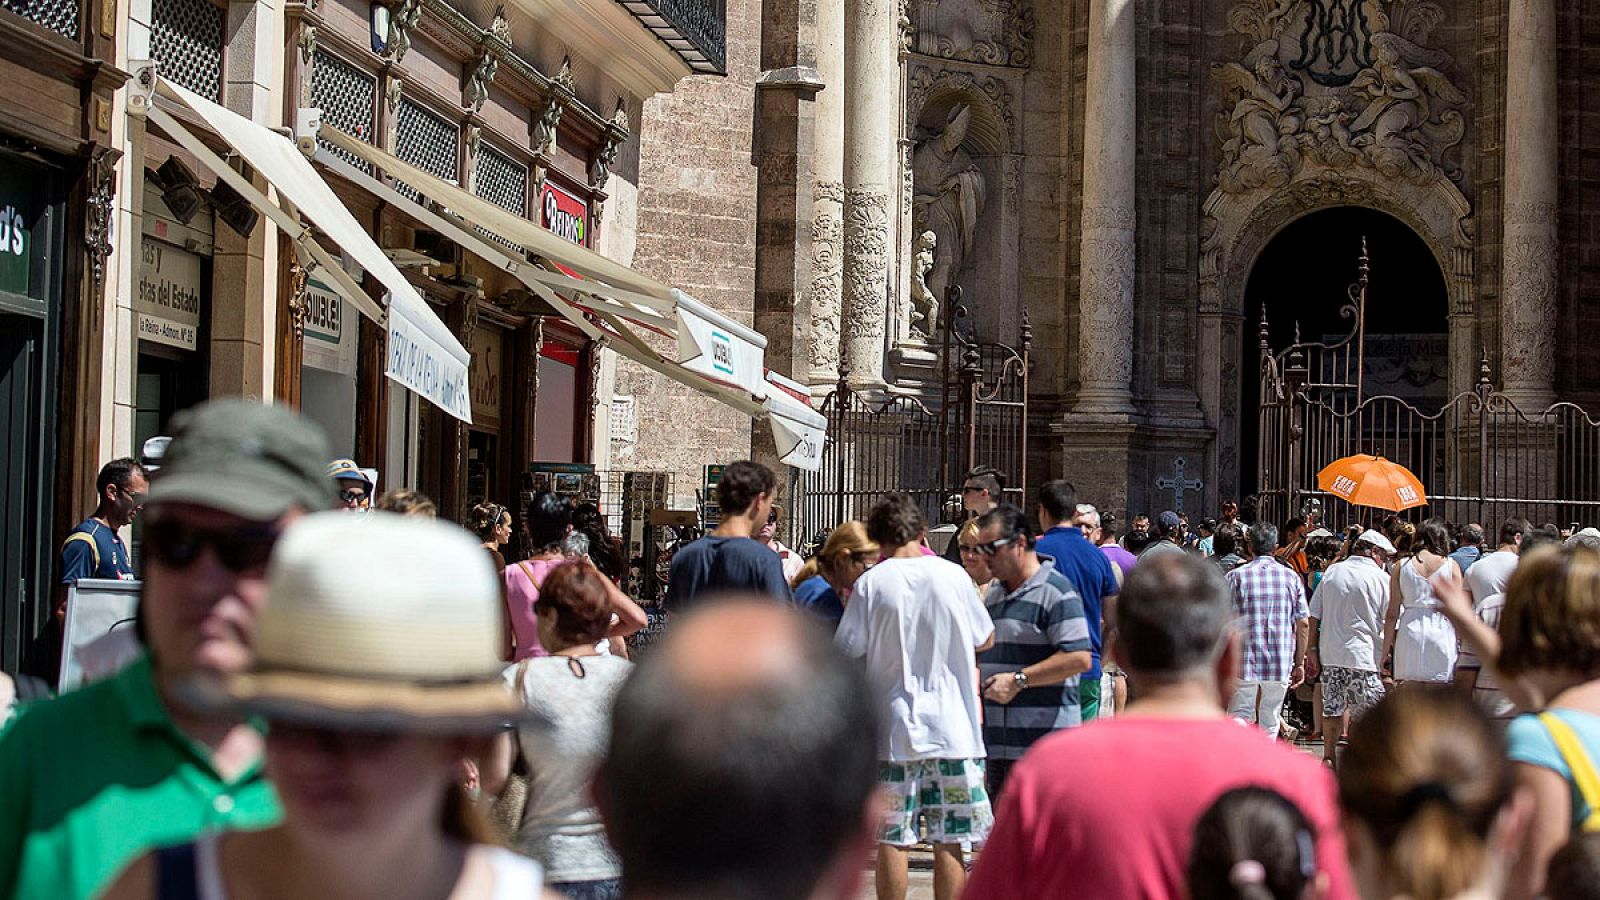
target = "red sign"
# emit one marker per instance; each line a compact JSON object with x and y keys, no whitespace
{"x":564,"y":214}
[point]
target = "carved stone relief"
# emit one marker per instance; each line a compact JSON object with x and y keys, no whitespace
{"x":991,"y":32}
{"x":922,"y":82}
{"x":949,"y":200}
{"x":866,"y":261}
{"x":101,"y":205}
{"x":1107,"y":274}
{"x":482,"y":75}
{"x":827,"y":227}
{"x":403,"y":18}
{"x":549,"y":119}
{"x":1341,"y":83}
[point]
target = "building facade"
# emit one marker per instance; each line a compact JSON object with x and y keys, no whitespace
{"x":1146,"y":181}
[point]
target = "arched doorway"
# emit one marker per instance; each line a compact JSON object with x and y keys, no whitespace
{"x":1301,"y":279}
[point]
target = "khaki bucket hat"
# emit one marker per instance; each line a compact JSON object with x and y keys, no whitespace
{"x":405,"y":640}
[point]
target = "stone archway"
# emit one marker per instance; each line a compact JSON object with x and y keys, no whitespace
{"x":1238,"y":226}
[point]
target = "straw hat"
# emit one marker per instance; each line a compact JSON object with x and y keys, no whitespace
{"x":405,"y":640}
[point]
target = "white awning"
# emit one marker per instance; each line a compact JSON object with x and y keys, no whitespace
{"x":606,"y":300}
{"x":423,"y":354}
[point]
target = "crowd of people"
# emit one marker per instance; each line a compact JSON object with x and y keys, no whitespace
{"x":380,"y":705}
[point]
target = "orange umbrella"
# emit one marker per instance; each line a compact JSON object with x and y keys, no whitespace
{"x":1372,"y":481}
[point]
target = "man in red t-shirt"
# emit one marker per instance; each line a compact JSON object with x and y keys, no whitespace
{"x":1108,"y":810}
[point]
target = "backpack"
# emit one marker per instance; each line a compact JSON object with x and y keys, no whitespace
{"x":1584,"y":776}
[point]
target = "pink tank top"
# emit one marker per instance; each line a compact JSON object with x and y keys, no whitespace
{"x":522,"y":593}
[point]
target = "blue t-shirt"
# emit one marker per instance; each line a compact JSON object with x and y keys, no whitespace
{"x":724,"y":565}
{"x":1528,"y":741}
{"x":817,"y":597}
{"x":78,"y":558}
{"x":1089,"y":571}
{"x":1466,"y":556}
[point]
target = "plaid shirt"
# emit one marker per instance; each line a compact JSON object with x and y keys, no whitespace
{"x":1271,"y":599}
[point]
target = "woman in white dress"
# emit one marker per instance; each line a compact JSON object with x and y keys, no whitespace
{"x":1416,"y":630}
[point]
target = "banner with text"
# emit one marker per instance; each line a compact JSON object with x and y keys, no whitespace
{"x":422,"y":360}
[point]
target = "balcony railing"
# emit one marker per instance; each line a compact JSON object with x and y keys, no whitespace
{"x":697,"y":30}
{"x":60,"y":16}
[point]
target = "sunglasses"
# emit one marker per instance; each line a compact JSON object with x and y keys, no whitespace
{"x":972,"y":488}
{"x":172,"y":543}
{"x":354,"y":495}
{"x":136,"y":496}
{"x":992,"y":547}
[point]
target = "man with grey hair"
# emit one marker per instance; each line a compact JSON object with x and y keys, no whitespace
{"x":1347,"y":612}
{"x":1109,"y":810}
{"x":742,"y":761}
{"x":1270,"y":599}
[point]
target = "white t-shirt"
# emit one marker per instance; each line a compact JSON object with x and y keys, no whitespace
{"x":1490,"y":574}
{"x":918,"y":623}
{"x":1350,"y":603}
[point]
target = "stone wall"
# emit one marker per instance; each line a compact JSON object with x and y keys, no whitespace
{"x":696,"y":231}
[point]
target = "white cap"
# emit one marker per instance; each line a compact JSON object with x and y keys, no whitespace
{"x":1320,"y":532}
{"x":1376,"y":539}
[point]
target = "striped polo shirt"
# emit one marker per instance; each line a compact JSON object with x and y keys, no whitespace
{"x":1040,"y":618}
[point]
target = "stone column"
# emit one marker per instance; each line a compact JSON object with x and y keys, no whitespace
{"x":1106,"y":266}
{"x":1528,"y":263}
{"x":871,"y":170}
{"x":827,"y":224}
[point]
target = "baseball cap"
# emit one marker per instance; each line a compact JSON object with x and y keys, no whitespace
{"x":1376,"y":539}
{"x":246,"y":458}
{"x":1168,"y":520}
{"x":347,"y":470}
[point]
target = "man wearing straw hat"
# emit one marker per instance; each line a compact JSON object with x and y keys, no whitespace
{"x":93,"y":779}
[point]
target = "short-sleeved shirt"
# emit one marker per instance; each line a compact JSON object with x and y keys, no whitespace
{"x":1091,"y":575}
{"x":1349,"y":604}
{"x":1042,"y":617}
{"x":94,"y":779}
{"x":107,"y":558}
{"x":918,"y":623}
{"x":1109,"y":810}
{"x":1528,"y":741}
{"x":1120,"y":558}
{"x":1465,"y":556}
{"x":1272,"y":599}
{"x":723,"y":565}
{"x":522,"y":581}
{"x":1491,"y":573}
{"x":817,"y":597}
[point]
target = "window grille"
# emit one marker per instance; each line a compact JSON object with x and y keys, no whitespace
{"x":186,"y":40}
{"x":346,"y":96}
{"x":428,"y":142}
{"x":502,"y":181}
{"x":60,"y":16}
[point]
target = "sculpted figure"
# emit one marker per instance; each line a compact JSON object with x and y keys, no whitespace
{"x":924,"y":302}
{"x":947,"y":199}
{"x":1260,"y":136}
{"x":1401,"y":131}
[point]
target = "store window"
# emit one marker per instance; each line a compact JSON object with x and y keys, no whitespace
{"x":555,"y":421}
{"x":328,"y":366}
{"x":170,"y":310}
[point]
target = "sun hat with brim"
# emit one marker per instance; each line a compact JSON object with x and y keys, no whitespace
{"x":409,"y":644}
{"x":1318,"y":532}
{"x":347,"y":470}
{"x":254,"y":461}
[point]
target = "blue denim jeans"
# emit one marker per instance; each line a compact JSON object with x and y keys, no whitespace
{"x":609,"y":889}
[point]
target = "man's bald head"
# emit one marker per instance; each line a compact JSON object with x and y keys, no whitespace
{"x":742,"y":757}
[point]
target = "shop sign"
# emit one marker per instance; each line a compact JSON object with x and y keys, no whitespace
{"x":166,"y":308}
{"x":326,"y":345}
{"x":22,"y":209}
{"x":564,"y":214}
{"x":486,"y":387}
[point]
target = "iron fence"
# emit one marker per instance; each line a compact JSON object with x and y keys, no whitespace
{"x":875,"y":445}
{"x":1480,"y":457}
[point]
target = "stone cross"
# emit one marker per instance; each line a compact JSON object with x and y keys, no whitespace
{"x":1177,"y":484}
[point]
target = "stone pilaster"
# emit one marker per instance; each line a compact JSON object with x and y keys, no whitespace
{"x":1106,"y":266}
{"x":1528,"y":288}
{"x":827,"y":224}
{"x":871,"y":171}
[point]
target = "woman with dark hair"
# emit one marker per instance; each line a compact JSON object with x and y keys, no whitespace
{"x":1415,"y":629}
{"x":549,"y":522}
{"x":603,"y":551}
{"x":1254,"y":844}
{"x":1432,"y":810}
{"x":573,"y":689}
{"x":491,"y":522}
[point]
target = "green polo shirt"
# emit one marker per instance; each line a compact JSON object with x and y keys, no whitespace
{"x":94,"y":779}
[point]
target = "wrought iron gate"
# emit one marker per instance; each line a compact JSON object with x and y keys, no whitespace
{"x":1480,"y":456}
{"x":876,"y":446}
